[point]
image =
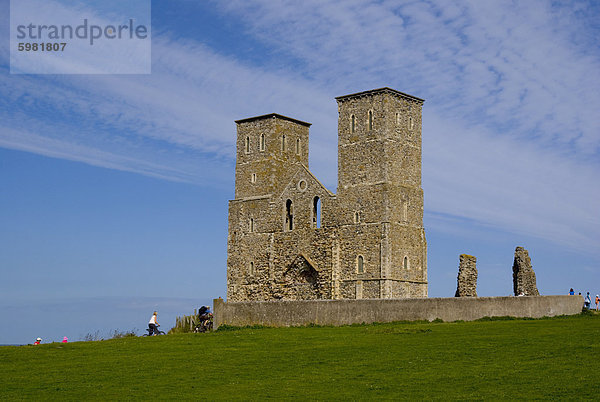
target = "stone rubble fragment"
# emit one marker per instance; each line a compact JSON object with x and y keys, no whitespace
{"x":524,"y":283}
{"x":466,"y":285}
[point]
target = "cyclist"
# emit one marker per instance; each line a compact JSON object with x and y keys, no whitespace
{"x":153,"y":324}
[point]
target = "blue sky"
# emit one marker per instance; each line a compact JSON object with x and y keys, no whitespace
{"x":114,"y":188}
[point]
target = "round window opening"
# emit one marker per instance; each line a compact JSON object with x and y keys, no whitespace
{"x":302,"y":185}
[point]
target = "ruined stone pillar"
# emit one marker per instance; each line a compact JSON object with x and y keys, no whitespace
{"x":524,"y":282}
{"x":466,"y":285}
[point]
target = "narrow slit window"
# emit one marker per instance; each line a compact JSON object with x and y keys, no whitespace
{"x":247,"y":145}
{"x":289,"y":215}
{"x":360,"y":265}
{"x":411,"y":123}
{"x":356,"y":217}
{"x":251,"y":267}
{"x":316,"y":213}
{"x":397,"y":118}
{"x":251,"y":225}
{"x":353,"y":123}
{"x":283,"y":143}
{"x":405,"y":263}
{"x":262,"y":142}
{"x":253,"y":178}
{"x":370,"y":120}
{"x":298,"y":146}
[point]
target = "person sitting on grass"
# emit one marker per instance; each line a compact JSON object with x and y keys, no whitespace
{"x":153,"y":324}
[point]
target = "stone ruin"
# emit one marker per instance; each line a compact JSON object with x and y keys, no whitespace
{"x":466,"y":285}
{"x":291,"y":238}
{"x":524,"y":282}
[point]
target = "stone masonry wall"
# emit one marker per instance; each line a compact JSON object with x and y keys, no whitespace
{"x":524,"y":281}
{"x":466,"y":285}
{"x":346,"y":312}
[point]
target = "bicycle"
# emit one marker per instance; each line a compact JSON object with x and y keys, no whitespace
{"x":155,"y":331}
{"x":205,"y":324}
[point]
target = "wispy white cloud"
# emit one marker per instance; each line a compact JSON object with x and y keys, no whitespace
{"x":511,"y":136}
{"x":512,"y":66}
{"x":511,"y":185}
{"x":57,"y":148}
{"x":182,"y":114}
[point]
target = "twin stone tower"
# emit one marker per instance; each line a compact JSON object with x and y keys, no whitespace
{"x":290,"y":238}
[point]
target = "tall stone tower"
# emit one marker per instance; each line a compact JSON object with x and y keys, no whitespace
{"x":379,"y":183}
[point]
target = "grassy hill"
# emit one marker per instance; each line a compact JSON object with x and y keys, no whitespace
{"x":502,"y":359}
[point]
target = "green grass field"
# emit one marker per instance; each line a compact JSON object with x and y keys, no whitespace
{"x":555,"y":358}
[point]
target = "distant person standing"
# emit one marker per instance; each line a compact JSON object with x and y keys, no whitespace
{"x":572,"y":292}
{"x":588,"y":301}
{"x":153,"y":323}
{"x":37,"y":341}
{"x":597,"y":302}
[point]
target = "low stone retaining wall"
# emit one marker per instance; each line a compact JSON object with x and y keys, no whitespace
{"x":343,"y":312}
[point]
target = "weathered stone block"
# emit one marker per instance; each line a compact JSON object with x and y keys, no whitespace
{"x":467,"y":277}
{"x":524,"y":282}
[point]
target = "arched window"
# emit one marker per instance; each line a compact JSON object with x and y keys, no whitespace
{"x":316,"y":212}
{"x":360,"y":264}
{"x":251,"y":224}
{"x":283,"y":143}
{"x":405,"y":264}
{"x":352,"y":123}
{"x":370,"y":120}
{"x":247,"y":145}
{"x":298,"y":146}
{"x":289,"y":215}
{"x":262,"y":142}
{"x":251,"y":268}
